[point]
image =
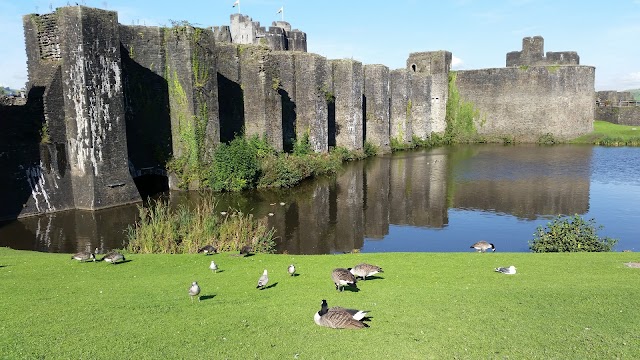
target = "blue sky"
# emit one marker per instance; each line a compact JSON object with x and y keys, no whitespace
{"x":479,"y":33}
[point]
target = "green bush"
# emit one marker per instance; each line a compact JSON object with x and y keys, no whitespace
{"x":547,"y":139}
{"x":284,"y":171}
{"x":235,"y":165}
{"x":370,"y":149}
{"x":302,"y":146}
{"x":570,"y":234}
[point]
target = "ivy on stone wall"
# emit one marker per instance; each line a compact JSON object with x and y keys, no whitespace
{"x":460,"y":114}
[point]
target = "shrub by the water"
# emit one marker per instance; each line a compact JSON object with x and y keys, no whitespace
{"x":235,"y":165}
{"x":185,"y":230}
{"x":570,"y":234}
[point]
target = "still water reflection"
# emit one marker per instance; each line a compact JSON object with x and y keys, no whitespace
{"x":434,"y":200}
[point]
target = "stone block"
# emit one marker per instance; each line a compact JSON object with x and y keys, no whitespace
{"x":376,"y":106}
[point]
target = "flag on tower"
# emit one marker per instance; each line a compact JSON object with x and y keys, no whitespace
{"x":281,"y":10}
{"x":236,"y":3}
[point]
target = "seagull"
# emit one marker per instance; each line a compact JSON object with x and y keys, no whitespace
{"x":364,"y":270}
{"x":213,"y":266}
{"x":336,"y":319}
{"x":264,"y":279}
{"x":208,"y":249}
{"x":483,"y":246}
{"x":291,"y":269}
{"x":507,"y":270}
{"x":194,"y":290}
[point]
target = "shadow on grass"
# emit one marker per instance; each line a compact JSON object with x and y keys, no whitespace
{"x":350,"y":288}
{"x":372,"y":277}
{"x":295,"y":275}
{"x":206,"y":297}
{"x":242,"y":255}
{"x":121,"y":262}
{"x":270,"y":286}
{"x":217,"y":271}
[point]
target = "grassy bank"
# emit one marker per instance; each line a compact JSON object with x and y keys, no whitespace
{"x":425,"y":305}
{"x":608,"y":134}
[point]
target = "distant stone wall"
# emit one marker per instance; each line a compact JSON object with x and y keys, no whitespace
{"x":613,"y":98}
{"x":622,"y":115}
{"x":617,"y":107}
{"x":527,"y":103}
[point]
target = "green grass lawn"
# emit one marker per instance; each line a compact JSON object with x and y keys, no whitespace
{"x":424,"y":306}
{"x":606,"y":133}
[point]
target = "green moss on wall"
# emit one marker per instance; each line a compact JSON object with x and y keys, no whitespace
{"x":553,"y":68}
{"x":460,"y":114}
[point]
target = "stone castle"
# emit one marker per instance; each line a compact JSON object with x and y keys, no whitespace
{"x":109,"y":104}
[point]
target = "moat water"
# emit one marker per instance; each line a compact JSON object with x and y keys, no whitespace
{"x":438,"y":200}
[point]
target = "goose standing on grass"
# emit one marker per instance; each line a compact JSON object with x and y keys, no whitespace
{"x":356,"y":314}
{"x":84,"y":256}
{"x":208,"y":250}
{"x":342,"y":277}
{"x":264,"y":279}
{"x":291,"y":269}
{"x":113,"y":257}
{"x":364,"y":270}
{"x":213,"y":267}
{"x":507,"y":270}
{"x":336,"y":319}
{"x":246,"y":250}
{"x":483,"y":246}
{"x":194,"y":290}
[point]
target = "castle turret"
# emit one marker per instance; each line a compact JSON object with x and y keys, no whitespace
{"x":532,"y":54}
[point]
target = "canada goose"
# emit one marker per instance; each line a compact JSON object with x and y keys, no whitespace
{"x":85,"y":256}
{"x":208,"y":249}
{"x":483,"y":246}
{"x":291,"y":269}
{"x":336,"y":319}
{"x":342,"y":277}
{"x":356,"y":314}
{"x":113,"y":257}
{"x":264,"y":279}
{"x":194,"y":290}
{"x":213,"y":266}
{"x":507,"y":270}
{"x":364,"y":270}
{"x":246,"y":250}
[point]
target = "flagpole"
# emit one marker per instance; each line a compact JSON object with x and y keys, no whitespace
{"x":282,"y":13}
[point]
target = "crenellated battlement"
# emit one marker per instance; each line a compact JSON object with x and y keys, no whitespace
{"x":243,"y":30}
{"x":532,"y":54}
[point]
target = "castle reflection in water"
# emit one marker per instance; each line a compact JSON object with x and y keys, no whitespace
{"x":336,"y":214}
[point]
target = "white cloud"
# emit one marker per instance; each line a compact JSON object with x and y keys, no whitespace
{"x":630,"y":81}
{"x":456,"y":62}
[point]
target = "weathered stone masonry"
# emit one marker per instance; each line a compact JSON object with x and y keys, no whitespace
{"x":110,"y":103}
{"x":532,"y":97}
